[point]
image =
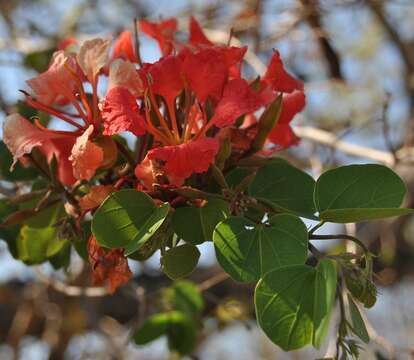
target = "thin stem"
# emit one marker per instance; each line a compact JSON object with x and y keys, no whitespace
{"x":171,"y":111}
{"x":340,"y":236}
{"x":316,"y":227}
{"x":125,"y":154}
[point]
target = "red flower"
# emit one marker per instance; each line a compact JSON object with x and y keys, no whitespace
{"x":124,"y":47}
{"x":238,"y":99}
{"x":278,"y":78}
{"x":282,"y":134}
{"x":120,"y":113}
{"x":206,"y":73}
{"x":108,"y":266}
{"x":185,"y":159}
{"x":163,"y":32}
{"x":197,"y":36}
{"x":166,"y":77}
{"x":21,"y":137}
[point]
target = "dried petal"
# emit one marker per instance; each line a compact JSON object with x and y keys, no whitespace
{"x":108,"y":267}
{"x":95,"y":196}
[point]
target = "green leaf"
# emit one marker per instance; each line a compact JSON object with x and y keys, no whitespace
{"x":184,"y":296}
{"x":285,"y":187}
{"x":127,"y":218}
{"x":294,"y":304}
{"x":180,"y":329}
{"x":9,"y":233}
{"x":195,"y":225}
{"x":162,"y":236}
{"x":39,"y":238}
{"x":247,"y":250}
{"x":358,"y":325}
{"x":357,"y":193}
{"x":152,"y":329}
{"x":180,"y":261}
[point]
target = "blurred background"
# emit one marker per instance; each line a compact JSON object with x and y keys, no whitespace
{"x":356,"y":58}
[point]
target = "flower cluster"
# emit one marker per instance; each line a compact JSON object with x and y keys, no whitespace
{"x":187,"y":110}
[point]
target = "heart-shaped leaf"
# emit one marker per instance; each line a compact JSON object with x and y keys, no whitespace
{"x":294,"y":304}
{"x":247,"y":250}
{"x":180,"y":261}
{"x":127,"y":218}
{"x":285,"y":187}
{"x":195,"y":225}
{"x":357,"y":193}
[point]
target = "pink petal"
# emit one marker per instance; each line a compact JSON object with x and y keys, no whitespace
{"x":123,"y":73}
{"x":86,"y":156}
{"x":93,"y":56}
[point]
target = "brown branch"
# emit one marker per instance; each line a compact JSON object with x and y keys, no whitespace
{"x":330,"y":54}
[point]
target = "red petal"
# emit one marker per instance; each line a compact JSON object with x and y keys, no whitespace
{"x":144,"y":172}
{"x":185,"y":159}
{"x":292,"y":104}
{"x":206,"y":73}
{"x":279,"y":78}
{"x":197,"y":36}
{"x":282,"y":134}
{"x":163,"y":32}
{"x":238,"y":99}
{"x":166,"y":76}
{"x":120,"y":113}
{"x":124,"y":47}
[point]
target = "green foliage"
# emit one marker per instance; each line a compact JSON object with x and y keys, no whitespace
{"x":203,"y":220}
{"x":358,"y":193}
{"x":184,"y":296}
{"x":285,"y":188}
{"x":39,"y":239}
{"x":180,"y":261}
{"x":127,"y":218}
{"x":247,"y":250}
{"x":294,"y":303}
{"x":9,"y":234}
{"x":358,"y":325}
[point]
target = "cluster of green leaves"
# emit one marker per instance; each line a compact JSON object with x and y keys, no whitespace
{"x":266,"y":243}
{"x":179,"y":321}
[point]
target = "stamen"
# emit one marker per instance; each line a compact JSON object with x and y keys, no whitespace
{"x":57,"y":132}
{"x":46,"y":108}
